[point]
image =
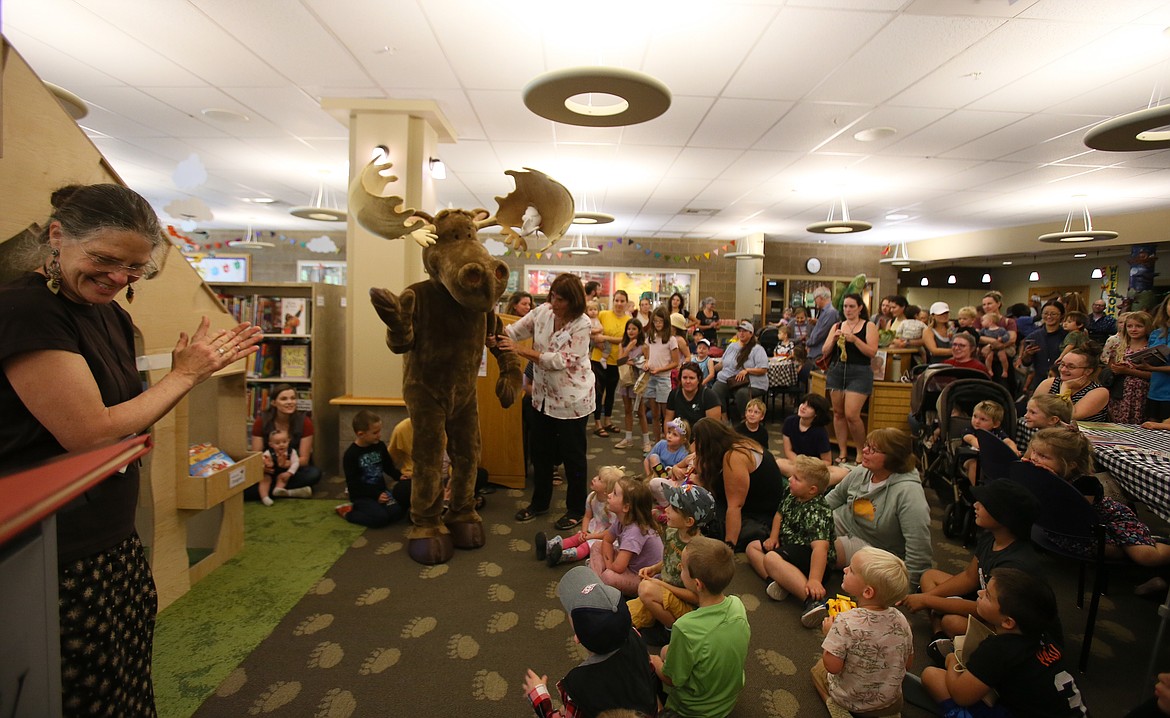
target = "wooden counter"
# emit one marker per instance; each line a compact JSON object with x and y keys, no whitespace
{"x":888,"y":405}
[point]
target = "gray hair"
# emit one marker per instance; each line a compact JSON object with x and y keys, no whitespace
{"x":85,"y":210}
{"x":822,"y":292}
{"x":707,"y":301}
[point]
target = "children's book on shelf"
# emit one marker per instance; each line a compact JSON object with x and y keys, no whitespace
{"x":268,"y":316}
{"x":294,"y":361}
{"x":206,"y":459}
{"x":294,"y":315}
{"x":266,"y":362}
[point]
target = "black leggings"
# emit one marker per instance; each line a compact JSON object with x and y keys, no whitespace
{"x":607,"y":379}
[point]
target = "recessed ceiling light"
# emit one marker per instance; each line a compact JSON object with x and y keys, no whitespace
{"x":896,"y":216}
{"x":1007,"y":262}
{"x":873,"y":134}
{"x":258,"y":200}
{"x":222,"y":115}
{"x":1080,"y":255}
{"x":905,"y":269}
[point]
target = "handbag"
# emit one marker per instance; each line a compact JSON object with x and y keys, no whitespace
{"x":641,"y":384}
{"x":626,"y":375}
{"x":823,"y":361}
{"x":733,"y":383}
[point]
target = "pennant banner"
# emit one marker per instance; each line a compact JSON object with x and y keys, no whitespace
{"x":637,"y":246}
{"x":190,"y":245}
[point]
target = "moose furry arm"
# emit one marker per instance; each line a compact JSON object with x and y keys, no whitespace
{"x":397,"y":313}
{"x":508,"y":384}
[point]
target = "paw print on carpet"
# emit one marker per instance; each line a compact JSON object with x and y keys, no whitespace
{"x":276,"y":696}
{"x":232,"y":684}
{"x":547,"y":618}
{"x":380,"y":660}
{"x":750,"y":601}
{"x":501,"y":622}
{"x":501,"y":530}
{"x":419,"y":627}
{"x":373,"y":595}
{"x":488,"y":686}
{"x":575,"y":651}
{"x":779,"y":704}
{"x":326,"y":654}
{"x":519,"y":546}
{"x":487,"y":569}
{"x":516,"y":493}
{"x":388,"y":548}
{"x":550,"y":591}
{"x":314,"y":623}
{"x":360,"y":542}
{"x":336,"y":704}
{"x":775,"y":663}
{"x":323,"y":587}
{"x":500,"y":593}
{"x":461,"y":646}
{"x":434,"y":571}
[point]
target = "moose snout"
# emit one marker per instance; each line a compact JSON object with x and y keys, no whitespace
{"x":471,"y":276}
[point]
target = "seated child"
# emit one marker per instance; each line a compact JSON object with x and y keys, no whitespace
{"x":1067,"y":453}
{"x":1019,"y":662}
{"x":1074,"y":323}
{"x":702,"y":667}
{"x":868,"y":649}
{"x":401,"y":448}
{"x":784,"y":345}
{"x":616,"y":674}
{"x":632,"y":541}
{"x":594,"y":524}
{"x":752,"y":425}
{"x":991,"y":333}
{"x":280,"y":463}
{"x":1005,"y":510}
{"x":986,"y":415}
{"x":670,"y":450}
{"x":800,"y":548}
{"x":366,"y":463}
{"x":805,"y":433}
{"x":1044,"y":411}
{"x":662,"y":597}
{"x":702,"y":357}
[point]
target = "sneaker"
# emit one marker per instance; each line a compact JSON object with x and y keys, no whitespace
{"x":304,"y":492}
{"x":541,"y":545}
{"x":267,"y":501}
{"x":647,"y":447}
{"x":776,"y":592}
{"x":624,"y":444}
{"x":554,"y":555}
{"x":343,"y":509}
{"x":280,"y":492}
{"x":938,"y":650}
{"x":814,"y":613}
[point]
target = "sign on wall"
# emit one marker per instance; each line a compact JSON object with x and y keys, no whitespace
{"x":221,"y":267}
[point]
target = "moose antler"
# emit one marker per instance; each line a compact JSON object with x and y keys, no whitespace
{"x":535,"y":189}
{"x":387,"y":217}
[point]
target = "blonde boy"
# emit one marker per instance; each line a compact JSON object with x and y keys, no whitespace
{"x":987,"y":415}
{"x":797,"y":553}
{"x":868,"y":649}
{"x":752,"y":425}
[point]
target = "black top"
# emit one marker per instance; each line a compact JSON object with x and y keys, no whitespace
{"x":760,"y":435}
{"x":1028,"y":675}
{"x":624,"y":679}
{"x":766,"y":486}
{"x":711,"y":335}
{"x":34,"y":319}
{"x":851,"y":351}
{"x":813,"y":442}
{"x":694,"y":409}
{"x":1049,"y":352}
{"x":366,"y":468}
{"x":1019,"y":554}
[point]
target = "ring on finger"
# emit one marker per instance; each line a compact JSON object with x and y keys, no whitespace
{"x":221,"y":351}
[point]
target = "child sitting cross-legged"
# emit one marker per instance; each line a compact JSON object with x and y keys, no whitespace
{"x":632,"y":541}
{"x":988,"y":416}
{"x":595,"y":523}
{"x":1005,"y":510}
{"x":752,"y":425}
{"x":867,"y":649}
{"x":367,"y":463}
{"x":702,"y":667}
{"x":1019,"y":662}
{"x":668,"y":451}
{"x":662,"y":597}
{"x":800,"y":548}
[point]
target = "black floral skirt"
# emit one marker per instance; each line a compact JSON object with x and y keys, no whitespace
{"x":108,"y":605}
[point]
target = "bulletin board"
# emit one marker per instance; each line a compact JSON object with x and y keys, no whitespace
{"x":222,"y":267}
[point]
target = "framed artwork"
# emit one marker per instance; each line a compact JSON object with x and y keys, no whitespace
{"x":222,"y":267}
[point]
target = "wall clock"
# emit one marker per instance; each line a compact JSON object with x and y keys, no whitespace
{"x":813,"y":265}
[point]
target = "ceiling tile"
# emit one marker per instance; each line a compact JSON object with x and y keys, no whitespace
{"x":738,"y":124}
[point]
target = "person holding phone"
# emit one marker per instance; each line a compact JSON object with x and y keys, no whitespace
{"x":1042,"y":347}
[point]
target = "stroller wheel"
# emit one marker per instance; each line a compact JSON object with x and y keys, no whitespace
{"x":952,"y":523}
{"x":968,"y":532}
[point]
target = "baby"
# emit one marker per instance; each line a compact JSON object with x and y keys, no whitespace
{"x":991,"y":333}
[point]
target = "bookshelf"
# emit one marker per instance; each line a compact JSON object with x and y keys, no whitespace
{"x":303,"y":324}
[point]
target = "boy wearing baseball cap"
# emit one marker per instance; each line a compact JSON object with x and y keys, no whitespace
{"x":1006,"y":511}
{"x":665,"y":598}
{"x":616,"y":674}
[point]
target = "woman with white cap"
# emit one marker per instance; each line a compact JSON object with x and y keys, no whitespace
{"x":743,"y":370}
{"x":937,"y":337}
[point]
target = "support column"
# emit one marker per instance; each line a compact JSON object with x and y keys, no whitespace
{"x":749,"y":282}
{"x":411,"y":130}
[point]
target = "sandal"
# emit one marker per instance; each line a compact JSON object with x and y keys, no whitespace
{"x":567,"y":523}
{"x":840,"y":461}
{"x":600,"y":431}
{"x":610,"y":428}
{"x":526,"y":514}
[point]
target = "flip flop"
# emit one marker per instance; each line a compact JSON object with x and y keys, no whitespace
{"x":567,"y":523}
{"x":600,"y":431}
{"x":610,"y":428}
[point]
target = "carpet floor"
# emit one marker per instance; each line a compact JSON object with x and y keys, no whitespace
{"x":378,"y":634}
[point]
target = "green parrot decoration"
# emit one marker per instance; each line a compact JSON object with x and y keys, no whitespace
{"x":854,"y":287}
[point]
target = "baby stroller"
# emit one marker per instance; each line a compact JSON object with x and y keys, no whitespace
{"x":955,"y":405}
{"x":928,"y":383}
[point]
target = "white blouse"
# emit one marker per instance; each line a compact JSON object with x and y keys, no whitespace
{"x":562,"y":378}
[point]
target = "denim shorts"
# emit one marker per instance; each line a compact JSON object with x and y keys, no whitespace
{"x":659,"y":387}
{"x":857,"y":378}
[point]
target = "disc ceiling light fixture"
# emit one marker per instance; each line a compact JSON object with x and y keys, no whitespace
{"x":597,"y":96}
{"x":250,"y":241}
{"x":900,"y":257}
{"x":587,"y":216}
{"x":322,"y":209}
{"x":1069,"y":235}
{"x":844,"y":225}
{"x":579,"y":247}
{"x":750,"y":247}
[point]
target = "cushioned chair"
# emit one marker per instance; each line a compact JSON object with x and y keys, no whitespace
{"x":1065,"y":513}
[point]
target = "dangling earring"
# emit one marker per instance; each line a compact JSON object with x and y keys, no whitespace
{"x":129,"y":293}
{"x":54,"y":272}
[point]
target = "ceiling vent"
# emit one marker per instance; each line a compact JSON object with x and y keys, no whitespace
{"x":699,"y":212}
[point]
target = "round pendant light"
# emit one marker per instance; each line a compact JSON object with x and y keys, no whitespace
{"x":1139,"y":131}
{"x":839,"y":226}
{"x":1071,"y":236}
{"x":592,"y":218}
{"x":597,"y":96}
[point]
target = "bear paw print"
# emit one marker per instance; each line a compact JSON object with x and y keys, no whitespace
{"x":326,"y":654}
{"x":373,"y":595}
{"x":487,"y":569}
{"x":336,"y":704}
{"x":775,"y":663}
{"x":314,"y":623}
{"x":501,"y":530}
{"x":233,"y":683}
{"x":500,"y":593}
{"x":380,"y":660}
{"x":323,"y":587}
{"x":434,"y":571}
{"x":780,"y":704}
{"x":419,"y":627}
{"x":501,"y":622}
{"x":388,"y":548}
{"x":276,"y":696}
{"x":488,"y":686}
{"x":575,"y":650}
{"x":461,"y":646}
{"x":550,"y":591}
{"x":519,"y":546}
{"x":360,"y":542}
{"x":547,"y":618}
{"x":516,"y":493}
{"x":750,"y":601}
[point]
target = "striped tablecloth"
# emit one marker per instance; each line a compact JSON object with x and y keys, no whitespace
{"x":1138,"y":458}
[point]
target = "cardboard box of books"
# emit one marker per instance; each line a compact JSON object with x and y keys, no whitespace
{"x":215,"y":476}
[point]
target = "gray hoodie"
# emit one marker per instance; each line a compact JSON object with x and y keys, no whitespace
{"x":892,"y":515}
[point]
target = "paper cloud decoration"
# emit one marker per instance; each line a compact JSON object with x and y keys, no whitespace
{"x":190,"y":173}
{"x":322,"y":245}
{"x":495,"y":247}
{"x":190,"y":208}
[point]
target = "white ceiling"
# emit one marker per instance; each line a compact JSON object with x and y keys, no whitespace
{"x":990,"y":99}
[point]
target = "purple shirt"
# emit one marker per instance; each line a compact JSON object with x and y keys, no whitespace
{"x":647,"y":548}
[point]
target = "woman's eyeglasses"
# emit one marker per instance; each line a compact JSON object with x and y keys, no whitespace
{"x":870,"y":449}
{"x":1066,"y":365}
{"x":103,"y":263}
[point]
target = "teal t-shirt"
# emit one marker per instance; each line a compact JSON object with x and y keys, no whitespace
{"x":708,"y":647}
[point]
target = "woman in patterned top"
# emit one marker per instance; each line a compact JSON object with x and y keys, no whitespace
{"x":1075,"y":379}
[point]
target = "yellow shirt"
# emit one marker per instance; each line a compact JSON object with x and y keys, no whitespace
{"x":612,"y":326}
